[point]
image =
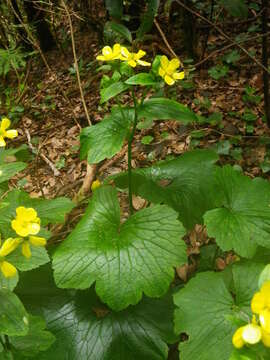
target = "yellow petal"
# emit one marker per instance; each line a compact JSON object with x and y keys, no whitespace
{"x":2,"y":141}
{"x":30,"y":214}
{"x":258,"y":303}
{"x":252,"y":334}
{"x":132,"y":63}
{"x":173,"y":65}
{"x":139,"y":54}
{"x":8,"y":269}
{"x":265,"y":320}
{"x":37,"y":241}
{"x":179,"y":75}
{"x":116,"y":48}
{"x":169,"y":80}
{"x":125,"y":52}
{"x":101,"y":58}
{"x":8,"y":246}
{"x":143,"y":63}
{"x":237,"y":339}
{"x":5,"y":124}
{"x":265,"y":338}
{"x":161,"y":71}
{"x":20,"y":230}
{"x":265,"y":290}
{"x":164,"y":61}
{"x":11,"y":134}
{"x":95,"y":184}
{"x":106,"y":51}
{"x":33,"y":228}
{"x":26,"y":251}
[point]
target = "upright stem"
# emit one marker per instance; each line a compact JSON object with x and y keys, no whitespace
{"x":131,"y":136}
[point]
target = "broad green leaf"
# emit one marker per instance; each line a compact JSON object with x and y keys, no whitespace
{"x":264,"y":276}
{"x":86,"y":329}
{"x":120,"y":29}
{"x":9,"y":170}
{"x":209,"y":314}
{"x":39,"y":257}
{"x":49,"y":211}
{"x":166,"y":109}
{"x":112,"y":90}
{"x":115,"y":8}
{"x":124,"y":259}
{"x":14,"y":318}
{"x":38,"y":339}
{"x":237,"y":8}
{"x":141,"y":79}
{"x":185,"y":184}
{"x":106,"y":138}
{"x":243,"y":220}
{"x":148,"y":17}
{"x":8,"y":283}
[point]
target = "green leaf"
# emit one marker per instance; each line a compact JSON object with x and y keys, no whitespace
{"x":208,"y":313}
{"x":115,"y":8}
{"x":49,"y":211}
{"x":9,"y":170}
{"x":106,"y":138}
{"x":8,"y":283}
{"x":237,"y":8}
{"x":265,"y":275}
{"x":121,"y":30}
{"x":124,"y":259}
{"x":184,"y":183}
{"x":86,"y":329}
{"x":148,"y":17}
{"x":39,"y":257}
{"x":141,"y":79}
{"x":37,"y":339}
{"x":243,"y":220}
{"x":166,"y":109}
{"x":14,"y":318}
{"x":112,"y":90}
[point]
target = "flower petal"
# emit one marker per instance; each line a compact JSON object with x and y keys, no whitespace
{"x":258,"y":303}
{"x":11,"y":134}
{"x":5,"y":124}
{"x":33,"y":228}
{"x":20,"y":230}
{"x":252,"y":334}
{"x":265,"y":320}
{"x":143,"y":63}
{"x":161,"y":71}
{"x":2,"y":141}
{"x":101,"y":58}
{"x":125,"y":52}
{"x":179,"y":75}
{"x":164,"y":61}
{"x":8,"y":269}
{"x":139,"y":54}
{"x":26,"y":251}
{"x":173,"y":65}
{"x":169,"y":80}
{"x":237,"y":339}
{"x":106,"y":51}
{"x":37,"y":241}
{"x":95,"y":184}
{"x":132,"y":63}
{"x":8,"y":246}
{"x":30,"y":214}
{"x":265,"y":338}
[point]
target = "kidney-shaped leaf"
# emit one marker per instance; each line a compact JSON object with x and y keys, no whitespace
{"x":166,"y":109}
{"x":208,"y":313}
{"x":243,"y":221}
{"x":184,"y":183}
{"x":13,"y":316}
{"x":86,"y":329}
{"x":125,"y":259}
{"x":106,"y":138}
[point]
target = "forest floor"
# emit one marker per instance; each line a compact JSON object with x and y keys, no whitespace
{"x":54,"y":116}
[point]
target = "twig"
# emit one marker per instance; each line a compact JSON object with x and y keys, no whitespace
{"x":164,"y":38}
{"x":76,"y":62}
{"x":43,"y":157}
{"x":221,"y":32}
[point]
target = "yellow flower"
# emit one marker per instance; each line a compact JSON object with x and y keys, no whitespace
{"x":95,"y":184}
{"x":26,"y":222}
{"x":133,"y":59}
{"x":167,"y":70}
{"x":109,"y":54}
{"x":260,"y":304}
{"x":265,"y":338}
{"x":248,"y":334}
{"x":33,"y":240}
{"x":4,"y":133}
{"x":7,"y":269}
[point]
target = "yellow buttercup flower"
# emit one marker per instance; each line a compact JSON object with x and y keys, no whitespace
{"x":27,"y":224}
{"x":133,"y":59}
{"x":248,"y":334}
{"x":167,"y":70}
{"x":7,"y":269}
{"x":260,"y":304}
{"x":95,"y":184}
{"x":4,"y":133}
{"x":109,"y":54}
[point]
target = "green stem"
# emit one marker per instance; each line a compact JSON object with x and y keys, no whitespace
{"x":7,"y":342}
{"x":131,"y":136}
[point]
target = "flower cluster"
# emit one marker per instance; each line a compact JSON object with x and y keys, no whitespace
{"x":167,"y":69}
{"x":26,"y":225}
{"x":258,"y":330}
{"x":4,"y":133}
